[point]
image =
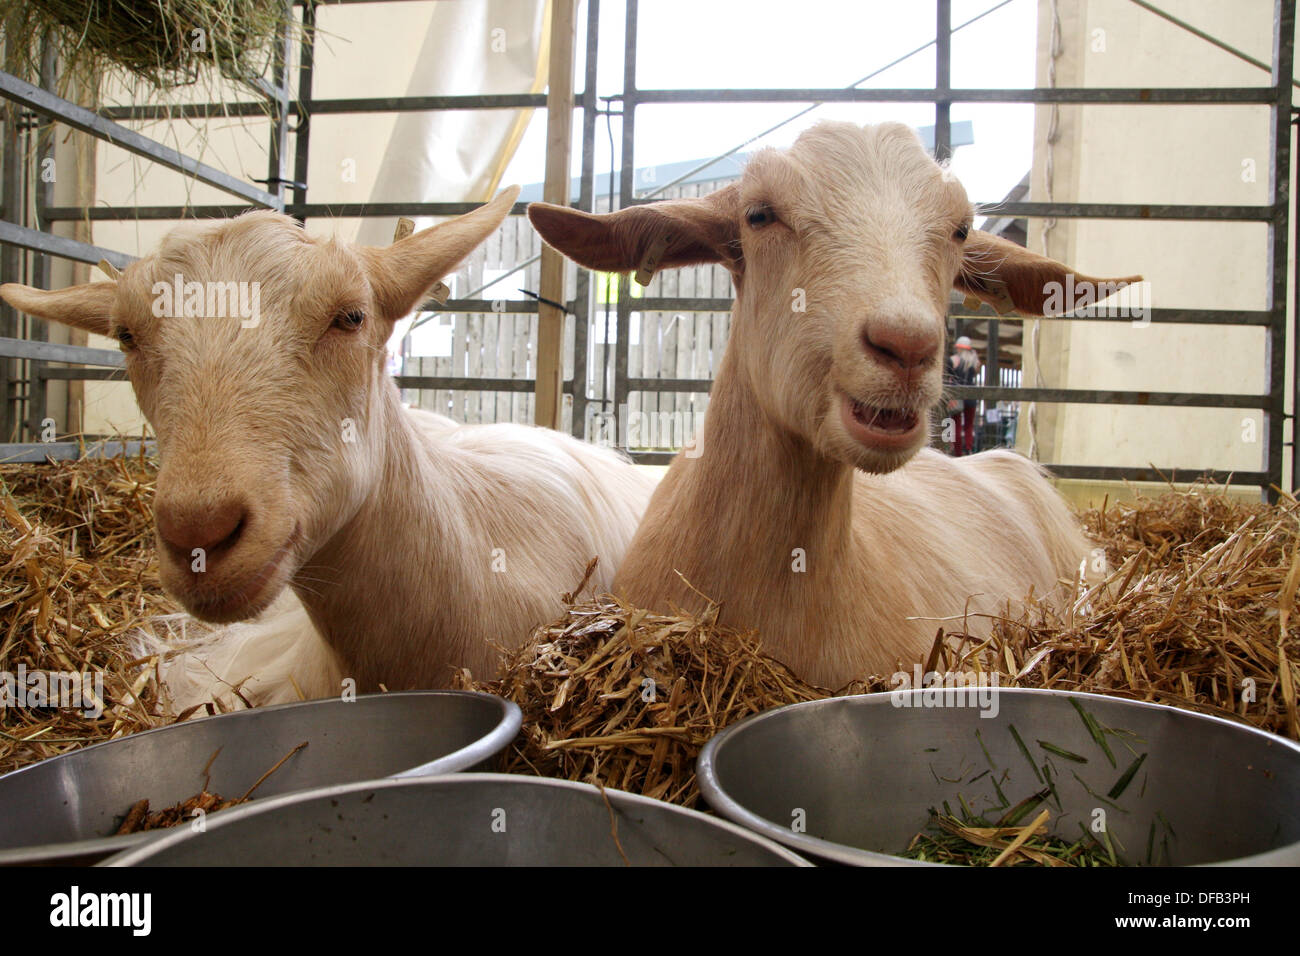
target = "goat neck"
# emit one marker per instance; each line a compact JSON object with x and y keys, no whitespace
{"x":758,"y":484}
{"x":373,"y":576}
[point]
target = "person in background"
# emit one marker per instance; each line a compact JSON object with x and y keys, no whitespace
{"x":963,"y":369}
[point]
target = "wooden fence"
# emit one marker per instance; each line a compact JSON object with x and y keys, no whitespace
{"x":504,"y":345}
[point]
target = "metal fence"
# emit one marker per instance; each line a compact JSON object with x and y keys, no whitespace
{"x":599,"y":402}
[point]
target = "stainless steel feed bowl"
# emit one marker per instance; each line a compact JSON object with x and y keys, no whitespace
{"x":461,"y":820}
{"x":68,"y":807}
{"x":860,"y":774}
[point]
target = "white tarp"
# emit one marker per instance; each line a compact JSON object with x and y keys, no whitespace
{"x":483,"y":47}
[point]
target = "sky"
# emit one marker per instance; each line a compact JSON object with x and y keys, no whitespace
{"x":828,"y":43}
{"x":809,"y":44}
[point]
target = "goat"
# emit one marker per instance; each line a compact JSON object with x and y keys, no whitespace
{"x":287,"y":459}
{"x":808,"y":507}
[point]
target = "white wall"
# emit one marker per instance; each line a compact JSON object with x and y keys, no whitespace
{"x":1156,"y":154}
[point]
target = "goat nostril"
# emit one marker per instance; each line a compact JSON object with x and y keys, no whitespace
{"x":901,"y":347}
{"x":214,"y":528}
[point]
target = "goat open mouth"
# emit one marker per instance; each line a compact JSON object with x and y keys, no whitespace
{"x":878,"y":426}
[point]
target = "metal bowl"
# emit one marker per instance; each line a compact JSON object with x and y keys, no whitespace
{"x":67,"y":808}
{"x":475,"y":819}
{"x":853,"y":779}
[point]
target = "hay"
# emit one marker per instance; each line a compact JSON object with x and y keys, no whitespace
{"x":1195,"y":613}
{"x":139,"y":819}
{"x":77,"y":576}
{"x":152,"y":40}
{"x":617,"y":695}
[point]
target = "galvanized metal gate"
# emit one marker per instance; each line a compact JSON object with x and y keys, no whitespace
{"x":24,"y":368}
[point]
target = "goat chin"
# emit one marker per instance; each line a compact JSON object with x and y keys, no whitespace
{"x":275,"y":658}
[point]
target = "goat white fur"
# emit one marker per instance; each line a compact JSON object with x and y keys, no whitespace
{"x":413,"y":546}
{"x":810,"y":509}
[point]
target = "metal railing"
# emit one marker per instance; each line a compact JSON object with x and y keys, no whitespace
{"x":15,"y":236}
{"x":1277,"y":96}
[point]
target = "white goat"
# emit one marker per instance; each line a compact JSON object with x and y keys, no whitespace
{"x":288,"y":459}
{"x":812,"y":511}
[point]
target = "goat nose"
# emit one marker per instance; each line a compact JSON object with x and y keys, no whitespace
{"x":905,"y":344}
{"x":186,"y":526}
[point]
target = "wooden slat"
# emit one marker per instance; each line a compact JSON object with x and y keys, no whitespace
{"x":549,"y":341}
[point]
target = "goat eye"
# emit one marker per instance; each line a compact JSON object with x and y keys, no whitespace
{"x":961,"y":232}
{"x":125,"y":339}
{"x":759,"y":215}
{"x":349,"y":321}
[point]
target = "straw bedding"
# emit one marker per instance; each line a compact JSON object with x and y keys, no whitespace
{"x":78,"y":574}
{"x":1195,"y":611}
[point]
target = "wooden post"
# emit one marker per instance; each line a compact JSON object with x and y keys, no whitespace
{"x":555,"y":189}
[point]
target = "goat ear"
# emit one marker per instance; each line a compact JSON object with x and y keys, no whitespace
{"x":85,"y":306}
{"x":662,"y":235}
{"x":402,"y":274}
{"x":1011,"y":278}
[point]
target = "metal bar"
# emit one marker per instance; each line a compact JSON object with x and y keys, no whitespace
{"x":1162,"y":475}
{"x":1089,"y":396}
{"x":1295,"y":357}
{"x":58,"y":373}
{"x":586,"y":200}
{"x":992,"y":360}
{"x":627,"y":173}
{"x":302,"y":132}
{"x":153,"y":112}
{"x":1261,"y":95}
{"x":462,"y":383}
{"x":39,"y":452}
{"x":302,"y":210}
{"x":942,"y":80}
{"x":10,"y":256}
{"x":23,"y":237}
{"x":147,"y":112}
{"x":1227,"y":317}
{"x":1000,"y":394}
{"x":521,"y":306}
{"x":419,"y":104}
{"x":139,"y":213}
{"x":58,"y":352}
{"x":1154,"y":316}
{"x":669,"y":384}
{"x":38,"y":329}
{"x":1094,"y":210}
{"x":1075,"y":210}
{"x":87,"y":121}
{"x":1279,"y":237}
{"x":278,"y":92}
{"x":355,"y":209}
{"x":1097,"y":473}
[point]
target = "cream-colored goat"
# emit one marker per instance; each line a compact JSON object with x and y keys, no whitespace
{"x":809,"y":507}
{"x":287,"y":459}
